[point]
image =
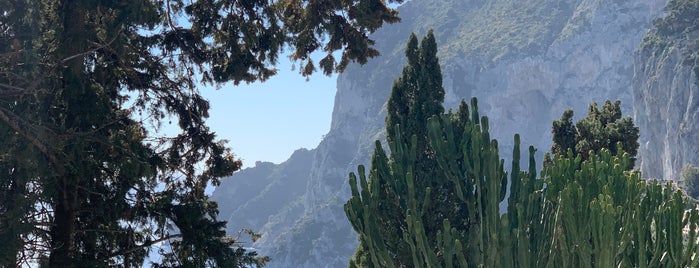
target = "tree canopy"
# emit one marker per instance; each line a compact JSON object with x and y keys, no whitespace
{"x":85,"y":178}
{"x":600,"y":129}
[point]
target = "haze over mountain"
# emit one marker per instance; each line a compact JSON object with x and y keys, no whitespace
{"x":526,"y":61}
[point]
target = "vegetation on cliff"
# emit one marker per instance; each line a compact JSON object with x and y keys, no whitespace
{"x":678,"y":29}
{"x":495,"y":30}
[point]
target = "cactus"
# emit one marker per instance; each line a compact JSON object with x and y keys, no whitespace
{"x":470,"y":175}
{"x":628,"y":222}
{"x":591,"y":213}
{"x":435,"y":201}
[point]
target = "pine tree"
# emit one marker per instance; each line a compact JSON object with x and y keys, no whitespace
{"x":84,"y":180}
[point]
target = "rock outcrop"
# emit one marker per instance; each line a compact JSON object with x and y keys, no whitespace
{"x":666,"y":99}
{"x":527,"y":61}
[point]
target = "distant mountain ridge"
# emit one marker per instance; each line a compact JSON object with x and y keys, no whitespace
{"x":243,"y":197}
{"x":526,"y":61}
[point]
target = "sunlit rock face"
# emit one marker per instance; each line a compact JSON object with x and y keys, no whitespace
{"x":666,"y":108}
{"x":526,"y":61}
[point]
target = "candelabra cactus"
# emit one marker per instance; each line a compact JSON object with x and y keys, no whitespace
{"x":609,"y":217}
{"x":591,"y":213}
{"x":470,"y":174}
{"x":435,"y":201}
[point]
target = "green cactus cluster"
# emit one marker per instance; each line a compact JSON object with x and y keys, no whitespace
{"x":591,"y":213}
{"x":465,"y":210}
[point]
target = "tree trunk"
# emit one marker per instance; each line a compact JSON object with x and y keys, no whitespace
{"x":71,"y":42}
{"x":63,"y":229}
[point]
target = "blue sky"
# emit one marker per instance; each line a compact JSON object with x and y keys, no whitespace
{"x":269,"y":121}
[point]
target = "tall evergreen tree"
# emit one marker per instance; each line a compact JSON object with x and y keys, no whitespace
{"x":416,"y":96}
{"x":83,"y":180}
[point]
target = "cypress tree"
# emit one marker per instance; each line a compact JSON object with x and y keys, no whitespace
{"x":416,"y":96}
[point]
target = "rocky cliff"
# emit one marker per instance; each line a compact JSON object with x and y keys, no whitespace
{"x":526,"y":61}
{"x":666,"y":96}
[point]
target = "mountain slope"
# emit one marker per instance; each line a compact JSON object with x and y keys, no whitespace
{"x":666,"y":95}
{"x":251,"y":197}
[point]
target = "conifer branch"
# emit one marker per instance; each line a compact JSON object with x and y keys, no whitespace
{"x":144,"y":245}
{"x":31,"y":139}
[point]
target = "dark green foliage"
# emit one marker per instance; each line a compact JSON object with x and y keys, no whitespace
{"x":628,"y":222}
{"x":417,"y":95}
{"x":689,"y":180}
{"x":564,"y":134}
{"x":600,"y":129}
{"x":579,"y":212}
{"x":85,"y":180}
{"x":682,"y":17}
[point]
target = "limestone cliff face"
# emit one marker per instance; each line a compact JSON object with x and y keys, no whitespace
{"x":526,"y":61}
{"x":666,"y":104}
